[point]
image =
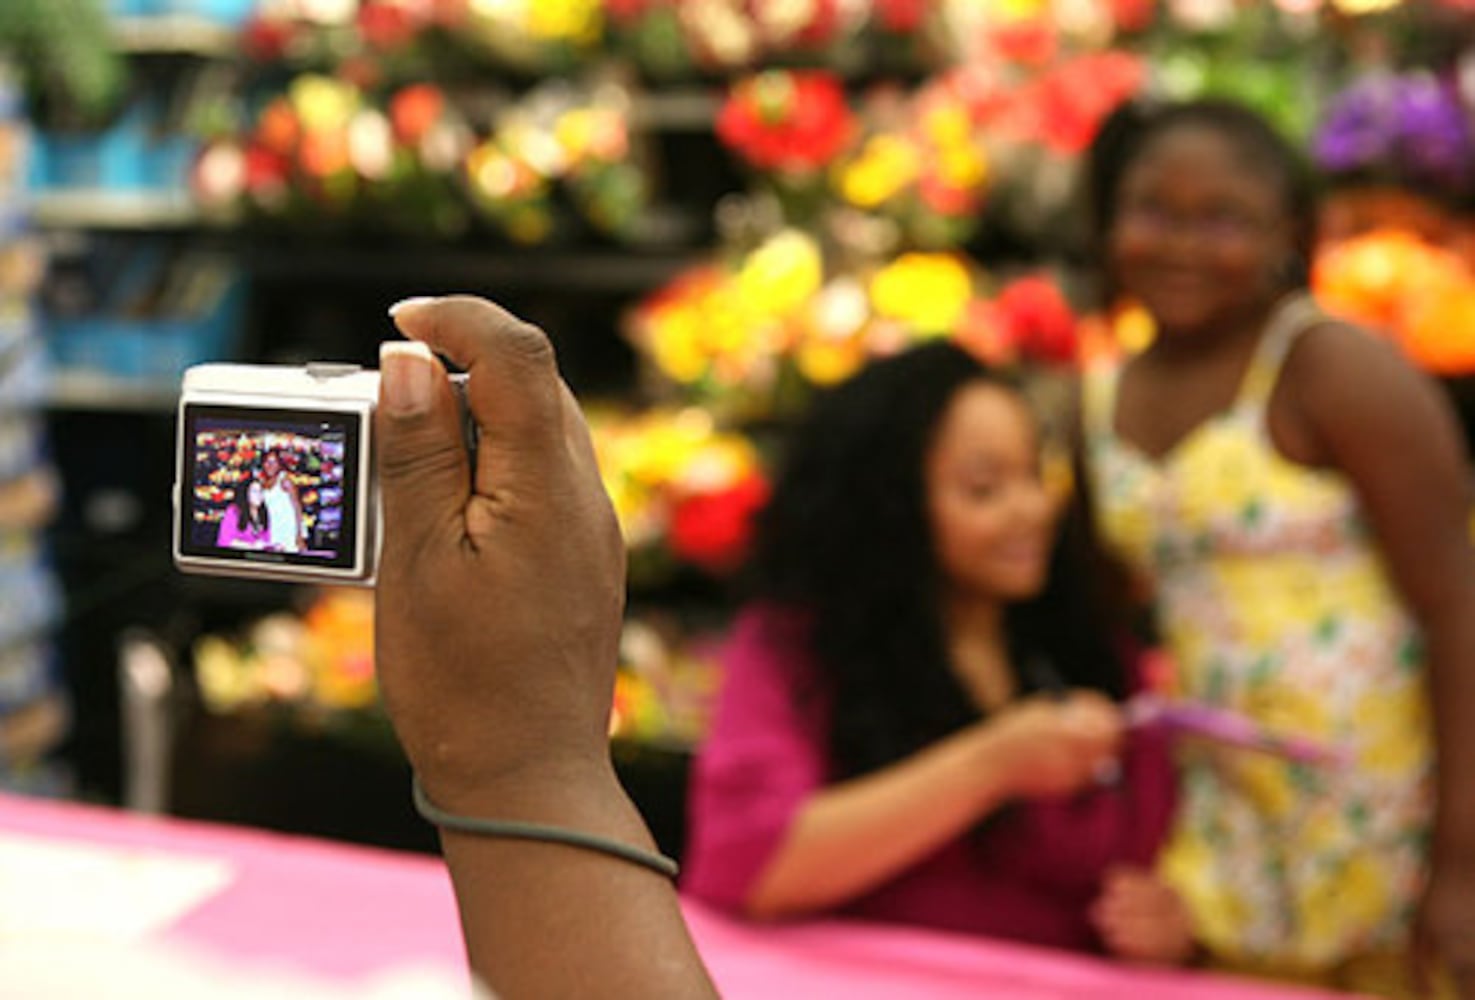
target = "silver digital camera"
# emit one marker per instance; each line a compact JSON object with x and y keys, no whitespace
{"x":275,"y":477}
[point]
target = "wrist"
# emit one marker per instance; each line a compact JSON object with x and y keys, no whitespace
{"x":994,"y":775}
{"x":526,"y":784}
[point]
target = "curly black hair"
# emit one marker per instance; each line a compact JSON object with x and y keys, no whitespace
{"x":1132,"y":128}
{"x":846,"y":541}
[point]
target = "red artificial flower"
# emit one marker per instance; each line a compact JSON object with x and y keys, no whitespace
{"x":414,"y":110}
{"x":796,"y":122}
{"x":626,"y":11}
{"x":385,"y":26}
{"x":449,"y":13}
{"x":712,"y":530}
{"x":947,"y":199}
{"x":325,"y":153}
{"x":1030,"y":42}
{"x":1133,"y":15}
{"x":773,"y":18}
{"x":279,"y":129}
{"x":1037,"y":320}
{"x":1065,"y":107}
{"x":902,"y":17}
{"x":266,"y":169}
{"x":363,"y":71}
{"x":267,"y":39}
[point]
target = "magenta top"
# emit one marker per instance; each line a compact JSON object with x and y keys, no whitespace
{"x":233,"y":534}
{"x":1028,"y":873}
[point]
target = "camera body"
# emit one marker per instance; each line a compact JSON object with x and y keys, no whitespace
{"x":275,"y":476}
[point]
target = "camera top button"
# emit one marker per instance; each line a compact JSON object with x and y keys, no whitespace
{"x":332,"y":369}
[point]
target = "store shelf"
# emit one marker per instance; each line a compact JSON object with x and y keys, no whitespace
{"x":616,"y":270}
{"x":686,"y":110}
{"x":109,"y":393}
{"x":114,"y":210}
{"x":174,"y":34}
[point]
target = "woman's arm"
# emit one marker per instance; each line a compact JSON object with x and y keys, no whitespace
{"x":853,"y":836}
{"x":1394,"y":435}
{"x":497,"y":624}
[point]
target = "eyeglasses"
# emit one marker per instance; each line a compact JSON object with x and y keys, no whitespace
{"x":1223,"y":223}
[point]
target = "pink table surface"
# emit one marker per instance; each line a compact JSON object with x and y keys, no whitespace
{"x":345,"y":911}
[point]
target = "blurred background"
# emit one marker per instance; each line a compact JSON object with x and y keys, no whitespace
{"x":714,"y":206}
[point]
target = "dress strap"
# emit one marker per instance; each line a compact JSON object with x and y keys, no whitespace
{"x":1098,"y":399}
{"x":1295,"y":315}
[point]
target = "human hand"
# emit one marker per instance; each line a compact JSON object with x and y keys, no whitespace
{"x":1053,"y":747}
{"x":1142,"y":919}
{"x":499,"y":600}
{"x":1444,"y":929}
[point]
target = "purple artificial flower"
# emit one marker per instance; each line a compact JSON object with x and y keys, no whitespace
{"x":1434,"y":141}
{"x":1412,"y":127}
{"x":1357,"y":131}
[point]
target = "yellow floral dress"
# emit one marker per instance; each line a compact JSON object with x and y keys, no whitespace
{"x":1273,"y":601}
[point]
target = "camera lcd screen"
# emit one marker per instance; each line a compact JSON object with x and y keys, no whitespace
{"x":270,"y":486}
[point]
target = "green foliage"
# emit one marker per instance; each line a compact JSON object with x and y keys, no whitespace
{"x":65,"y":54}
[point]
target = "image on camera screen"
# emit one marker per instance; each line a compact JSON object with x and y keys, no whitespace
{"x":270,"y":485}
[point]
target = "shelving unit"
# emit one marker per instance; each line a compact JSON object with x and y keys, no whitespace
{"x":103,"y":210}
{"x":178,"y":34}
{"x":92,"y":392}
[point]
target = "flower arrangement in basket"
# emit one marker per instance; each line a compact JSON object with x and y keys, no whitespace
{"x":559,"y":140}
{"x":313,"y":672}
{"x":324,"y":151}
{"x":752,"y":339}
{"x":1409,"y":130}
{"x":1417,"y":293}
{"x":684,"y":491}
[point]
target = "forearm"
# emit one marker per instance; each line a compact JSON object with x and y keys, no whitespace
{"x":856,"y":835}
{"x":544,"y":919}
{"x":1451,"y":652}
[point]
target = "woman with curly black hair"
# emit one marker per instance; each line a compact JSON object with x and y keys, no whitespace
{"x":919,"y":720}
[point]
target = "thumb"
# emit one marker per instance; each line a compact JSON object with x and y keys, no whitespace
{"x":424,"y":474}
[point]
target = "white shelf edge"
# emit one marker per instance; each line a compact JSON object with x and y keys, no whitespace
{"x":174,"y":33}
{"x":96,"y":391}
{"x":113,"y":209}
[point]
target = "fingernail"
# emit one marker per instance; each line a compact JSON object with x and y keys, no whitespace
{"x":409,"y":305}
{"x":406,"y":376}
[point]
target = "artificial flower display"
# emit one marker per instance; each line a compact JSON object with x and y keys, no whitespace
{"x":558,"y":139}
{"x":685,"y":492}
{"x":790,"y":123}
{"x":750,"y":340}
{"x":1410,"y":129}
{"x":313,"y":671}
{"x":667,"y":681}
{"x":1419,"y":294}
{"x":324,"y":151}
{"x":319,"y":665}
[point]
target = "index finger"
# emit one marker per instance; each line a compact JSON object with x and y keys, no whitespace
{"x":514,"y":389}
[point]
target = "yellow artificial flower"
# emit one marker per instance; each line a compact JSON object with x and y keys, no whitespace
{"x":962,"y":167}
{"x":825,"y":361}
{"x":887,"y":164}
{"x":927,"y":291}
{"x":946,"y":124}
{"x":781,"y":276}
{"x":1134,"y":328}
{"x":1358,"y":8}
{"x":578,"y":22}
{"x":323,"y":103}
{"x":675,"y":342}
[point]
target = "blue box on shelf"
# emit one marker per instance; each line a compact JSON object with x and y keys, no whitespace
{"x":130,"y":155}
{"x":231,"y":12}
{"x":156,"y":349}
